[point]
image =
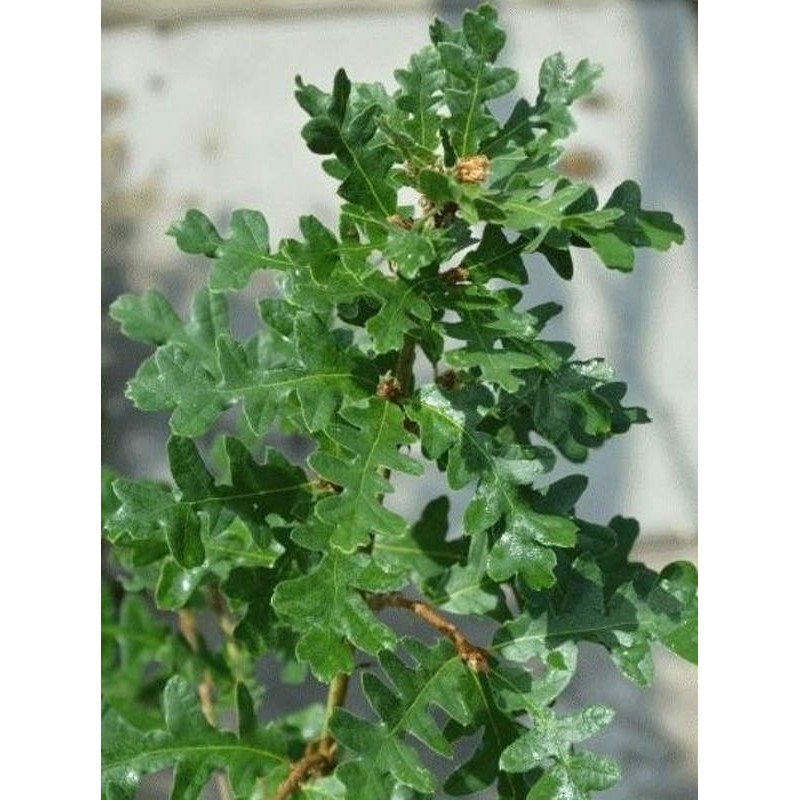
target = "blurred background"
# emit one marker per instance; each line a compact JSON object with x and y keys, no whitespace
{"x":198,"y":111}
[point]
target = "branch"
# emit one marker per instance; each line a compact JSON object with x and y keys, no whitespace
{"x":313,"y":763}
{"x":404,"y":369}
{"x":475,"y":657}
{"x":228,"y":627}
{"x":337,"y":692}
{"x":205,"y":690}
{"x":320,"y":756}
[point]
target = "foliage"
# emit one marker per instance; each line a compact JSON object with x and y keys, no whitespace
{"x":297,"y":561}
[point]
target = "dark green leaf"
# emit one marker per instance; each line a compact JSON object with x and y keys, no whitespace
{"x":472,"y":80}
{"x":423,"y":552}
{"x":189,"y":744}
{"x":236,"y":258}
{"x":339,"y":132}
{"x":327,"y":609}
{"x":370,"y":444}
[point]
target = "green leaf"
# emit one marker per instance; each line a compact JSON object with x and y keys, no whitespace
{"x":174,"y":379}
{"x":370,"y":444}
{"x":206,"y":526}
{"x":327,"y":609}
{"x":320,"y":376}
{"x":551,"y":736}
{"x":472,"y":80}
{"x":410,"y":250}
{"x":583,"y":773}
{"x":423,"y":552}
{"x":558,"y":89}
{"x":633,"y":228}
{"x":517,"y":551}
{"x":467,"y":589}
{"x":496,"y":257}
{"x":421,"y":86}
{"x":576,"y":405}
{"x":195,"y":234}
{"x":481,"y":769}
{"x":149,"y":318}
{"x":338,"y":131}
{"x":526,"y":211}
{"x":259,"y":629}
{"x":623,"y":607}
{"x":547,"y":673}
{"x":500,"y":341}
{"x":189,"y":744}
{"x":139,"y":653}
{"x":438,"y":678}
{"x":549,"y":745}
{"x":183,"y":372}
{"x":450,"y":424}
{"x":383,"y":757}
{"x":320,"y":250}
{"x":236,"y":258}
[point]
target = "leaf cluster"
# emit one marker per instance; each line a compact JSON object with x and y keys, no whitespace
{"x":245,"y":555}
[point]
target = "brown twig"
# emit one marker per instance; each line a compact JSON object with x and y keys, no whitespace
{"x":320,"y":756}
{"x":475,"y":657}
{"x":205,"y":689}
{"x":227,"y":625}
{"x":313,"y":763}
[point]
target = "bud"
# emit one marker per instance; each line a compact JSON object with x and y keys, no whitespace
{"x":472,"y":169}
{"x":389,"y":387}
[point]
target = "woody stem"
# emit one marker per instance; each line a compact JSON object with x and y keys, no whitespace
{"x":475,"y":657}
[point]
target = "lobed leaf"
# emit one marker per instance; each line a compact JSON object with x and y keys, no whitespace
{"x":189,"y":744}
{"x":326,"y":608}
{"x":236,"y":258}
{"x":369,"y":445}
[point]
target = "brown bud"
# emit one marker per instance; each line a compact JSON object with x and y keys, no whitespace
{"x":459,"y":274}
{"x":448,"y":380}
{"x":323,"y":485}
{"x":401,"y":222}
{"x":472,"y":169}
{"x":389,"y":387}
{"x":446,"y":216}
{"x":478,"y":660}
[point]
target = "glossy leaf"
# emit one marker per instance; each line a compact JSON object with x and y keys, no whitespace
{"x":439,"y":678}
{"x":370,"y":444}
{"x":326,"y":608}
{"x":447,"y":207}
{"x":189,"y":744}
